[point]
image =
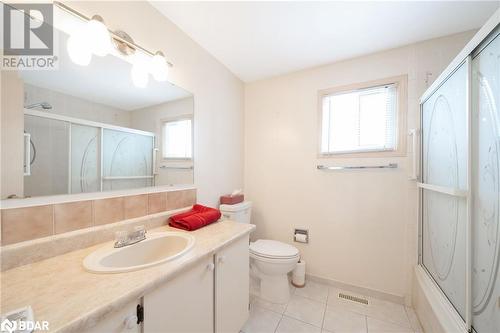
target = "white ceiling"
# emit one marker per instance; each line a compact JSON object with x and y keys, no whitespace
{"x":256,"y":40}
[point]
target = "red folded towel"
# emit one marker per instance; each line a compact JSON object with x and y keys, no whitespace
{"x":196,"y":218}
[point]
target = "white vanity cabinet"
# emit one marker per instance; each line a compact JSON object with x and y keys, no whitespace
{"x":210,"y":297}
{"x":232,"y":287}
{"x":184,"y":304}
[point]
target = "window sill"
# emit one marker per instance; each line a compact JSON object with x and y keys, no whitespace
{"x":367,"y":154}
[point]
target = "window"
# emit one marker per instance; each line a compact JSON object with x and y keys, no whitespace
{"x":361,"y":119}
{"x":177,"y":138}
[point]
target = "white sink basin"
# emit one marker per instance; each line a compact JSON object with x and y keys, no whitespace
{"x":157,"y":248}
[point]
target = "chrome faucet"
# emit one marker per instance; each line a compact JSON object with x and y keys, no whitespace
{"x":125,"y":238}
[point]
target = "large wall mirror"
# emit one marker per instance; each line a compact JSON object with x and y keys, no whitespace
{"x":91,"y":126}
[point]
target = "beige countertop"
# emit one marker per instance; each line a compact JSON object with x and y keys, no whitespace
{"x":71,"y":299}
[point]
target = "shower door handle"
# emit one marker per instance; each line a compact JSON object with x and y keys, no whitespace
{"x":27,"y":154}
{"x":414,"y":144}
{"x":155,"y":164}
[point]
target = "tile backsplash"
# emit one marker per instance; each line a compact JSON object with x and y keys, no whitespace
{"x":72,"y":216}
{"x":23,"y":224}
{"x":28,"y":223}
{"x":135,"y":206}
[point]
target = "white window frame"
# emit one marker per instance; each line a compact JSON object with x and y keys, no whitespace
{"x":401,"y":83}
{"x":172,"y":119}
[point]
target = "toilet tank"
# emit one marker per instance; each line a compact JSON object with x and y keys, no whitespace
{"x":240,"y":212}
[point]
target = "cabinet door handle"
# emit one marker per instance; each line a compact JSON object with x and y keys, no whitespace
{"x":211,"y":266}
{"x":221,"y":259}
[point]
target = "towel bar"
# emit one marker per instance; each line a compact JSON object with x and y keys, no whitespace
{"x":388,"y":166}
{"x":176,"y":167}
{"x":126,"y":177}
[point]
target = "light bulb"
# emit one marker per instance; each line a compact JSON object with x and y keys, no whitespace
{"x":159,"y":67}
{"x":99,"y":38}
{"x":139,"y":73}
{"x":78,"y":49}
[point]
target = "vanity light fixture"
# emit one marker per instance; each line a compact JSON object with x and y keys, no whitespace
{"x":139,"y":72}
{"x":92,"y":38}
{"x":159,"y":67}
{"x":124,"y":43}
{"x":78,"y":49}
{"x":95,"y":38}
{"x":99,"y":36}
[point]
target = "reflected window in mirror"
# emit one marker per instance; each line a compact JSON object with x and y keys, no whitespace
{"x":177,"y":138}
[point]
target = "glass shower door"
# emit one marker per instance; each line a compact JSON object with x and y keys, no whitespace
{"x":486,"y":188}
{"x":127,"y":160}
{"x":49,"y":156}
{"x":444,"y":194}
{"x":85,"y":158}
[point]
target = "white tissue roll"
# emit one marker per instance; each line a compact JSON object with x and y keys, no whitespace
{"x":301,"y":238}
{"x":236,"y":192}
{"x":299,"y":274}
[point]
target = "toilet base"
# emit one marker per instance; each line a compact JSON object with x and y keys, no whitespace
{"x":275,"y":289}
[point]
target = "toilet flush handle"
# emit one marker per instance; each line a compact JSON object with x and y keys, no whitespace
{"x":211,"y":266}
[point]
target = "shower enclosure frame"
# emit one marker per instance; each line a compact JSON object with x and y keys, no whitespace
{"x":100,"y":127}
{"x":486,"y":34}
{"x":455,"y":192}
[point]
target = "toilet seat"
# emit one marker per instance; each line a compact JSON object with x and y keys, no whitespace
{"x":275,"y":260}
{"x":271,"y":249}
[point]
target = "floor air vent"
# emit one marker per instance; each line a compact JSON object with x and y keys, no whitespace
{"x":353,"y":298}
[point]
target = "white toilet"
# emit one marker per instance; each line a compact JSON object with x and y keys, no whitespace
{"x":270,"y":260}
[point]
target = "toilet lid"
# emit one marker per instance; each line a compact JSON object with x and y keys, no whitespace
{"x":273,"y":249}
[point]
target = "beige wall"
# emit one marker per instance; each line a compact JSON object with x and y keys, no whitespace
{"x":362,"y":224}
{"x":12,"y":139}
{"x":218,"y":94}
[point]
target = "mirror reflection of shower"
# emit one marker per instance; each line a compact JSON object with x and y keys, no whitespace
{"x":32,"y":149}
{"x":41,"y":105}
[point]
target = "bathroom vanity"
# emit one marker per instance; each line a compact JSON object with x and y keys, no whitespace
{"x":204,"y":290}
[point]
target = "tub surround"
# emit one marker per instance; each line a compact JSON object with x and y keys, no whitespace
{"x":434,"y":312}
{"x":63,"y":214}
{"x":49,"y":286}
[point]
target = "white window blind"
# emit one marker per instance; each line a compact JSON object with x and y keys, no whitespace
{"x":177,"y":139}
{"x":363,"y":120}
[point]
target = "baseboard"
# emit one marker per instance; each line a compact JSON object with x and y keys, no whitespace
{"x":357,"y":289}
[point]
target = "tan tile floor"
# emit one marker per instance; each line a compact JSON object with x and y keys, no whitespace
{"x":316,"y":308}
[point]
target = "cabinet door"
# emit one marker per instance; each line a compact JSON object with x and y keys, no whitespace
{"x":121,"y":321}
{"x":232,"y":287}
{"x":184,"y":304}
